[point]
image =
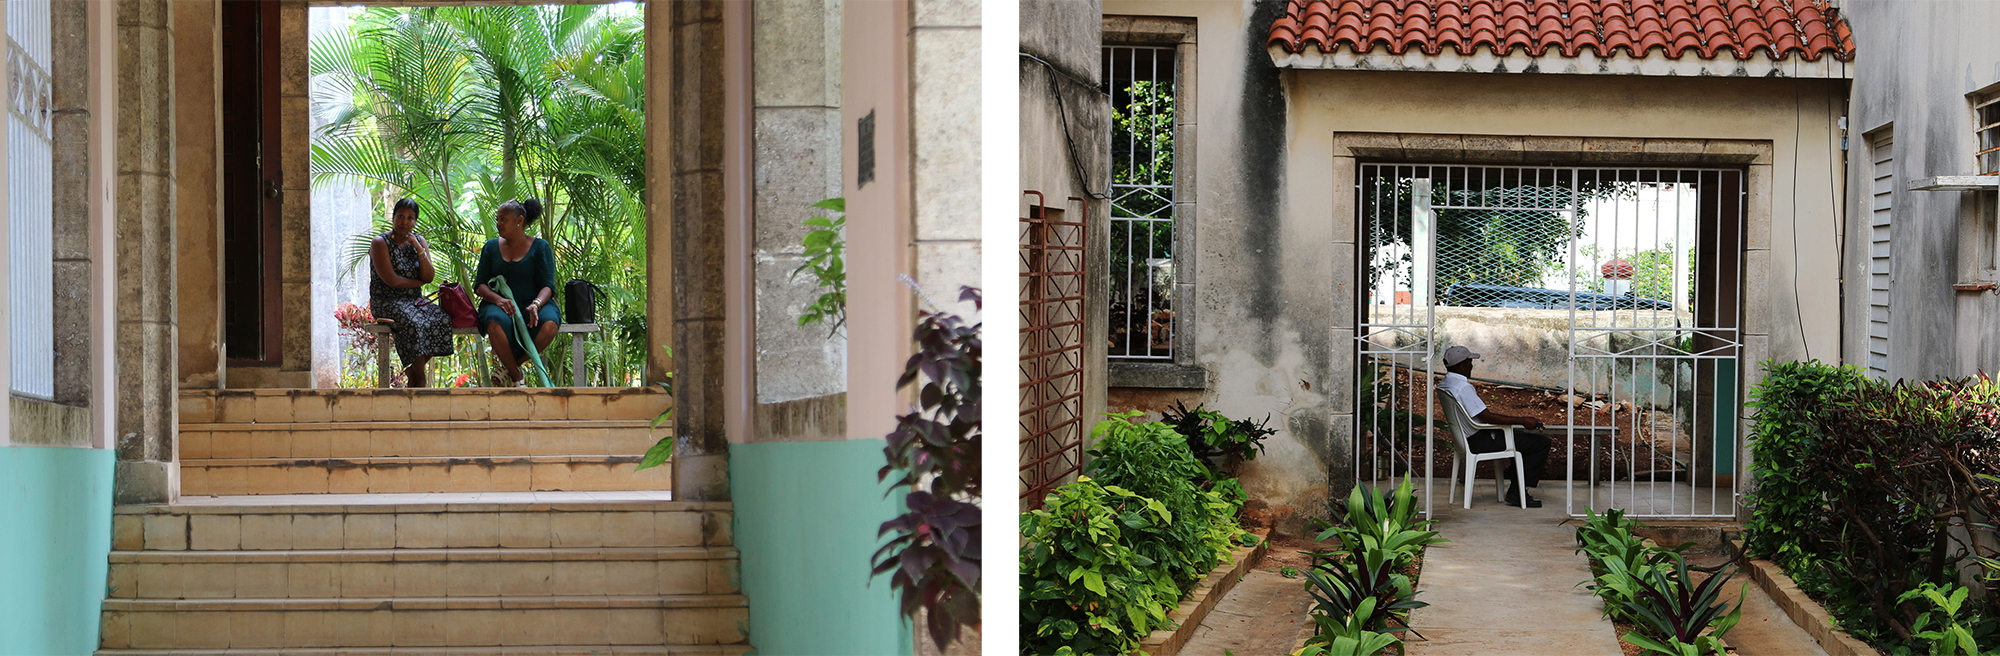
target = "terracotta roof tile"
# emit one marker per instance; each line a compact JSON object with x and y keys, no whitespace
{"x":1806,"y":29}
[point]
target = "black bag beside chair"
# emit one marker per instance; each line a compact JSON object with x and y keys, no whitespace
{"x":580,"y":301}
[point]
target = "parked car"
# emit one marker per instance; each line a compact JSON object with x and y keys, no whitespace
{"x":1506,"y":296}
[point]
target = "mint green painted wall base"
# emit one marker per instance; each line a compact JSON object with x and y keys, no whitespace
{"x":55,"y":548}
{"x":806,"y":515}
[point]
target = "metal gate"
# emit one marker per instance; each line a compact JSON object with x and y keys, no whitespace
{"x":1051,"y":349}
{"x":1605,"y":301}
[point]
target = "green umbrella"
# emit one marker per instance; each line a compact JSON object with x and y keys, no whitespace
{"x":499,"y":284}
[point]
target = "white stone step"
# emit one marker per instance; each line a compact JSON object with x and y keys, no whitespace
{"x":423,"y":573}
{"x":541,"y":473}
{"x":494,"y":520}
{"x":381,"y":439}
{"x":424,"y":622}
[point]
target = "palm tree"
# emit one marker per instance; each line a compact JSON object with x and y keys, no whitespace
{"x":466,"y":107}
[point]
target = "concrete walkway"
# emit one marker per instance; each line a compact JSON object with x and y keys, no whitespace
{"x":1507,"y":583}
{"x":1264,"y":614}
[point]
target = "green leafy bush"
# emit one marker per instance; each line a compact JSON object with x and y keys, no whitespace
{"x":1378,"y":522}
{"x":1109,"y":555}
{"x":1651,"y":588}
{"x":1869,"y":490}
{"x":1218,"y":442}
{"x":1153,"y":461}
{"x":1360,"y":589}
{"x":1950,"y":637}
{"x":1085,"y":590}
{"x":1676,"y":615}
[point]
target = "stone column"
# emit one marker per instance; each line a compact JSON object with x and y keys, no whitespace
{"x":695,"y":113}
{"x":146,"y":273}
{"x":660,"y":175}
{"x":70,"y":73}
{"x":295,"y":228}
{"x":198,"y":167}
{"x":797,"y":163}
{"x":944,"y":151}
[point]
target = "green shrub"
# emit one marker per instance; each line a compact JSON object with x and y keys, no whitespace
{"x":1378,"y":522}
{"x":1358,"y":590}
{"x":1213,"y":437}
{"x":1084,"y":590}
{"x":1109,"y":555}
{"x":1650,"y":587}
{"x":1153,"y":461}
{"x":1869,"y":490}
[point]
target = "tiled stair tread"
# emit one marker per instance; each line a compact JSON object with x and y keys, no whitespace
{"x":437,"y":424}
{"x":268,"y":604}
{"x":479,"y":554}
{"x":427,"y":502}
{"x":539,"y":650}
{"x":411,"y":460}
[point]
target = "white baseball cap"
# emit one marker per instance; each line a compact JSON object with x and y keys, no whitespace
{"x":1457,"y":354}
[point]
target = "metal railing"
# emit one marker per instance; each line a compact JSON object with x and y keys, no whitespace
{"x":1051,"y":361}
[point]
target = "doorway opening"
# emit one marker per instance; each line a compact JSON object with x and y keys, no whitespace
{"x":1604,"y":301}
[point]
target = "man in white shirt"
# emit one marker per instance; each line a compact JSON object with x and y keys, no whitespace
{"x":1534,"y":447}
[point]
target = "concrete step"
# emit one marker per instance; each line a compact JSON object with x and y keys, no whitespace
{"x":383,"y":439}
{"x":423,"y":573}
{"x":487,"y":573}
{"x":303,"y":522}
{"x":425,"y":622}
{"x":470,"y":404}
{"x":539,"y":650}
{"x":234,"y":476}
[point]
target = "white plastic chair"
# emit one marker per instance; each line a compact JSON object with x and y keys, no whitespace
{"x":1463,"y":426}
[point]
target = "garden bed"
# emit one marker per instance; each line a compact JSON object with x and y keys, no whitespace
{"x":1195,"y":608}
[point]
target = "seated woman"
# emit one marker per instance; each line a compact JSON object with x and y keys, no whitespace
{"x":402,"y":266}
{"x":529,"y":266}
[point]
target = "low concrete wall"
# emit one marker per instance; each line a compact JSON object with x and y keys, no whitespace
{"x":1532,"y":347}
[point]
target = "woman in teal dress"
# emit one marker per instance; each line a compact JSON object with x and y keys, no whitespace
{"x":529,"y":266}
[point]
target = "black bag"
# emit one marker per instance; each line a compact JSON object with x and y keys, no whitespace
{"x":580,"y":301}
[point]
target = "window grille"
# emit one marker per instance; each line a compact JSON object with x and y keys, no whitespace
{"x":1142,"y":88}
{"x":1986,"y":125}
{"x":30,"y":213}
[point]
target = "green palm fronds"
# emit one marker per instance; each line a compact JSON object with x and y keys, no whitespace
{"x":464,"y":108}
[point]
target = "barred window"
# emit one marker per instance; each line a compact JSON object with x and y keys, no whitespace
{"x":1142,"y":87}
{"x":1986,"y":126}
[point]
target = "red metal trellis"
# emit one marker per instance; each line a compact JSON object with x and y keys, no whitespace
{"x":1051,"y":348}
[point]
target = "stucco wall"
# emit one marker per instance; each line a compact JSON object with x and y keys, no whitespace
{"x":1918,"y":61}
{"x":1269,"y":331}
{"x":1059,"y":139}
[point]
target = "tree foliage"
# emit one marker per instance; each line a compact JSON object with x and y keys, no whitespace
{"x":464,"y":108}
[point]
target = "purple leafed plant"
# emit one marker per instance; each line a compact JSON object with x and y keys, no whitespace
{"x":934,"y":453}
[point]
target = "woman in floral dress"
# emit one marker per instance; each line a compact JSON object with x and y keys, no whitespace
{"x":402,"y":266}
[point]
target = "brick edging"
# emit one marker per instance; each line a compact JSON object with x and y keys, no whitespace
{"x":1194,"y":609}
{"x":1805,"y":612}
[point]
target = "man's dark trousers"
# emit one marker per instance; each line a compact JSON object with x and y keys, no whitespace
{"x":1534,"y":448}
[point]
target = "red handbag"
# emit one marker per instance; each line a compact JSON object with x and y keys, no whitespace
{"x":457,"y":305}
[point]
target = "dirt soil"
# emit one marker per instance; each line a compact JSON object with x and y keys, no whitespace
{"x":1660,"y":439}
